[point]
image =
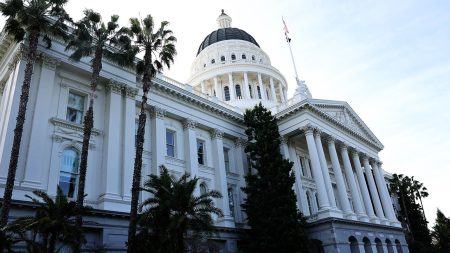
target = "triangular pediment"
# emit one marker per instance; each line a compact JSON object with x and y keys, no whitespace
{"x":342,"y":112}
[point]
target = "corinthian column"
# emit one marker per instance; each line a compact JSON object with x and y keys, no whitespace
{"x":373,"y":189}
{"x":363,"y":187}
{"x":316,"y":171}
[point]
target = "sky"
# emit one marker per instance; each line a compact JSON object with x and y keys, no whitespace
{"x":390,"y":60}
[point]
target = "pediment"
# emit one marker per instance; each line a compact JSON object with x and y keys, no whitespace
{"x":343,"y":113}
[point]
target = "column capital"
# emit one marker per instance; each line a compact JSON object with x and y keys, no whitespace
{"x":318,"y":132}
{"x":330,"y":139}
{"x":365,"y":157}
{"x":240,"y":142}
{"x":354,"y":152}
{"x":50,"y":61}
{"x":216,"y":133}
{"x":374,"y":161}
{"x":189,"y":124}
{"x":131,"y":92}
{"x":343,"y":146}
{"x":2,"y":86}
{"x":308,"y":129}
{"x":115,"y":86}
{"x":284,"y":140}
{"x":158,"y":112}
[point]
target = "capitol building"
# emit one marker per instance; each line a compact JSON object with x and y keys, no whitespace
{"x":195,"y":126}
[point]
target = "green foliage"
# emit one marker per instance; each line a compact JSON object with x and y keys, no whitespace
{"x":172,"y":212}
{"x":409,"y":191}
{"x":441,"y":233}
{"x":276,"y":224}
{"x":51,"y":228}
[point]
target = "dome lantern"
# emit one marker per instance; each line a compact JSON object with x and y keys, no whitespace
{"x":224,"y":21}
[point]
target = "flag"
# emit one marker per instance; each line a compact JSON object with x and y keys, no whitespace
{"x":286,"y":31}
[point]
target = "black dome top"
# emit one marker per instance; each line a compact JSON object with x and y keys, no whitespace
{"x":228,"y":33}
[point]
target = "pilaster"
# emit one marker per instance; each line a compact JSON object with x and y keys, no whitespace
{"x":129,"y":141}
{"x":272,"y":89}
{"x":190,"y":142}
{"x":158,"y":139}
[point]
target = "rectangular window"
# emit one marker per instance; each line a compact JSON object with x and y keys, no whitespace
{"x":170,"y":143}
{"x":75,"y":108}
{"x":302,"y":163}
{"x":226,"y":158}
{"x":201,"y":152}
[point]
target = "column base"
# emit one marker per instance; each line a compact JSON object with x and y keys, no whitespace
{"x":374,"y":219}
{"x":350,"y":215}
{"x":385,"y":221}
{"x":396,"y":223}
{"x":363,"y":217}
{"x":327,"y":212}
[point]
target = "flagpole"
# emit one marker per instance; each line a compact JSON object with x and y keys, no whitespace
{"x":293,"y":61}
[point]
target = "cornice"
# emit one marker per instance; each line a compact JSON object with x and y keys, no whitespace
{"x":69,"y":125}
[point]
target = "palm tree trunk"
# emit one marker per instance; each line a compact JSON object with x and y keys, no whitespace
{"x":20,"y":120}
{"x":87,"y":130}
{"x":52,"y":242}
{"x":135,"y":188}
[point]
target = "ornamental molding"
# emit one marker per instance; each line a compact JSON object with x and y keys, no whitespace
{"x":284,"y":140}
{"x":216,"y":134}
{"x":331,"y":139}
{"x":65,"y":125}
{"x":115,"y":86}
{"x":318,"y":132}
{"x":240,"y":142}
{"x":131,"y":92}
{"x":49,"y":61}
{"x":190,"y":124}
{"x":158,"y":112}
{"x":19,"y":54}
{"x":308,"y":129}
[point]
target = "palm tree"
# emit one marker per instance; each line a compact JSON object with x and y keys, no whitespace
{"x":93,"y":37}
{"x":173,"y":210}
{"x":158,"y":47}
{"x":419,"y":191}
{"x":35,"y":19}
{"x":53,"y":223}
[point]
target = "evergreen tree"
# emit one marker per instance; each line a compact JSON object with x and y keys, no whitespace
{"x":441,"y":233}
{"x":275,"y":223}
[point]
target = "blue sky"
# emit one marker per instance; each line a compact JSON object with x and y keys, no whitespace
{"x":390,"y":60}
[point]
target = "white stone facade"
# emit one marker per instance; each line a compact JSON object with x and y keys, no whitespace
{"x":339,"y":179}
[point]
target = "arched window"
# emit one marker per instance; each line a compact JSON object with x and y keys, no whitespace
{"x":68,"y":175}
{"x":317,"y":246}
{"x":233,"y":57}
{"x":231,"y":200}
{"x":398,"y":245}
{"x":367,"y":245}
{"x":226,"y":92}
{"x":238,"y":91}
{"x":379,"y":245}
{"x":213,"y":61}
{"x":258,"y":89}
{"x":203,"y":188}
{"x":244,"y":57}
{"x":253,"y":58}
{"x":389,"y":246}
{"x":222,"y":58}
{"x":250,"y":89}
{"x":354,"y":248}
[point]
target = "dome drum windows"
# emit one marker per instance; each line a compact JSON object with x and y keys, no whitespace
{"x":233,"y":57}
{"x":238,"y":91}
{"x":222,"y":58}
{"x":226,"y":93}
{"x":213,"y":61}
{"x":243,"y":57}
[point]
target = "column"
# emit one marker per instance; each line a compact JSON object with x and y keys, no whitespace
{"x":231,"y":86}
{"x":316,"y":171}
{"x":363,"y":187}
{"x":246,"y":88}
{"x":239,"y":154}
{"x":324,"y":166}
{"x":357,"y":205}
{"x":111,"y":151}
{"x":373,"y":189}
{"x":384,"y":193}
{"x":280,"y":86}
{"x":272,"y":89}
{"x":340,"y":183}
{"x":190,"y":149}
{"x":158,"y":133}
{"x":37,"y":148}
{"x":217,"y":88}
{"x":128,"y":133}
{"x":261,"y":86}
{"x":289,"y":153}
{"x":220,"y":178}
{"x":202,"y":85}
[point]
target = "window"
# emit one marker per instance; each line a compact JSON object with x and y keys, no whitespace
{"x":268,"y":94}
{"x":226,"y":158}
{"x":231,"y":201}
{"x":233,"y":57}
{"x":75,"y":108}
{"x":253,"y":57}
{"x":222,"y":58}
{"x":226,"y":92}
{"x":308,"y":199}
{"x":203,"y":189}
{"x":250,"y":90}
{"x":201,"y":152}
{"x":213,"y":61}
{"x":68,"y":175}
{"x":238,"y":91}
{"x":170,"y":143}
{"x":244,"y":57}
{"x":303,"y":165}
{"x":258,"y":89}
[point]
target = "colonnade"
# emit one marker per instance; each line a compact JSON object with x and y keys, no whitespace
{"x":368,"y":189}
{"x":251,"y":86}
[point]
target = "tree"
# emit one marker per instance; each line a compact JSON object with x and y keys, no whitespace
{"x":441,"y":233}
{"x":53,"y":225}
{"x":36,"y":19}
{"x":93,"y":37}
{"x":158,"y":47}
{"x":172,"y":211}
{"x":411,"y":213}
{"x":275,"y":223}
